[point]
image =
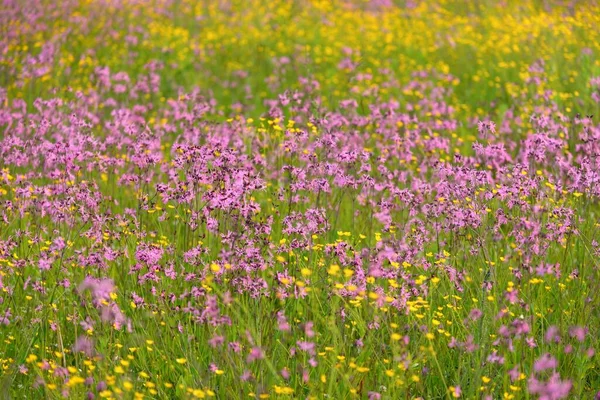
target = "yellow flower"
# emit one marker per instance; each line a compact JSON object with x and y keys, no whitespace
{"x":75,"y":380}
{"x":334,"y":269}
{"x":31,"y":358}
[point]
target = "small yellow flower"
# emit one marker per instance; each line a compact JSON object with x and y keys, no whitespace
{"x":75,"y":380}
{"x":334,"y":269}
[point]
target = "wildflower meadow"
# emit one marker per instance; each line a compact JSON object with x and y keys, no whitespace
{"x":299,"y":199}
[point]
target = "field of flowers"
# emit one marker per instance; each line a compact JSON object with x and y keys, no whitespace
{"x":303,"y":199}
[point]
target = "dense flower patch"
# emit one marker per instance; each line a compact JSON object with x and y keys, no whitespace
{"x":299,"y":199}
